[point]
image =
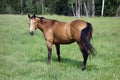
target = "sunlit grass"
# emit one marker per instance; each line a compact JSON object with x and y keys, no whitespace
{"x":24,"y":57}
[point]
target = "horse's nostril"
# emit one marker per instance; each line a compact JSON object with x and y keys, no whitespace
{"x":31,"y":33}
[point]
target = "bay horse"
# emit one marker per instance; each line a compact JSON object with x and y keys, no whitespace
{"x":57,"y":32}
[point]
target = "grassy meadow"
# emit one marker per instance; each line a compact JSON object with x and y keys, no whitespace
{"x":24,"y":57}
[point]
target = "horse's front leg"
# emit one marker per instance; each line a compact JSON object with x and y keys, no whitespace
{"x":49,"y":47}
{"x":58,"y":51}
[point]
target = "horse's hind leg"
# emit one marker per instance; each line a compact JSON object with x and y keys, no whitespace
{"x":85,"y":55}
{"x":58,"y":51}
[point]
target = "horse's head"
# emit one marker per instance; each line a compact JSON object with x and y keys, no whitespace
{"x":32,"y":24}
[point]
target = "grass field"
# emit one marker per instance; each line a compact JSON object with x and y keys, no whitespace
{"x":24,"y":57}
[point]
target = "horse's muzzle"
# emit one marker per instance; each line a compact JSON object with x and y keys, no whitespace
{"x":31,"y":33}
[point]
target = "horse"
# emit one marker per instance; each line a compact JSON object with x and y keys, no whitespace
{"x":56,"y":33}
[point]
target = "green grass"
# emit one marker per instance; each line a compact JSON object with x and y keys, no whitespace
{"x":24,"y":57}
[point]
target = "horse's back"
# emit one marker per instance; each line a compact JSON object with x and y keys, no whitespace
{"x":78,"y":24}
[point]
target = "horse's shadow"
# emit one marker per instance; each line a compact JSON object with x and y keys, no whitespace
{"x":64,"y":61}
{"x":71,"y":62}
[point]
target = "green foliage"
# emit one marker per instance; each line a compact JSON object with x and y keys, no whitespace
{"x":58,"y":7}
{"x":61,"y":7}
{"x":98,"y":7}
{"x":118,"y":1}
{"x":51,"y":5}
{"x":38,"y":8}
{"x":33,"y":8}
{"x":29,"y":6}
{"x":13,"y":6}
{"x":24,"y":57}
{"x":110,"y":8}
{"x":3,"y":7}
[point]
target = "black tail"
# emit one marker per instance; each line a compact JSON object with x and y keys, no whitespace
{"x":86,"y":36}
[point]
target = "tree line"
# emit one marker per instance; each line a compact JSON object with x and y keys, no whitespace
{"x":77,"y":8}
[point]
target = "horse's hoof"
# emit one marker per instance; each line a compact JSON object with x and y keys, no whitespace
{"x":59,"y":60}
{"x":83,"y":67}
{"x":49,"y":62}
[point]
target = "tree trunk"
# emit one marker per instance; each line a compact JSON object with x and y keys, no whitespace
{"x":21,"y":7}
{"x":102,"y":11}
{"x":42,"y":6}
{"x":73,"y":9}
{"x":86,"y":11}
{"x":89,"y":7}
{"x":81,"y":8}
{"x":92,"y":8}
{"x":78,"y":11}
{"x":118,"y":11}
{"x":76,"y":7}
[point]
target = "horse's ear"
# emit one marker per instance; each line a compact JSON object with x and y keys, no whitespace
{"x":28,"y":16}
{"x":34,"y":15}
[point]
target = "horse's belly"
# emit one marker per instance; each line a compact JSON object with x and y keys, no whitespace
{"x":56,"y":41}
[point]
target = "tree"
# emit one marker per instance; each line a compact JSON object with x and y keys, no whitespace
{"x":21,"y":6}
{"x":76,"y":7}
{"x":110,"y":7}
{"x":62,"y":7}
{"x":118,"y":8}
{"x":3,"y":7}
{"x":102,"y":11}
{"x":72,"y":7}
{"x":92,"y":8}
{"x":29,"y":6}
{"x":85,"y":7}
{"x":42,"y":1}
{"x":50,"y":6}
{"x":118,"y":11}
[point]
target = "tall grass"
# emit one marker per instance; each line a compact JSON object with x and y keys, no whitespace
{"x":24,"y":57}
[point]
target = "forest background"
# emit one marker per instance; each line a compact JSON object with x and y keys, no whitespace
{"x":77,"y":8}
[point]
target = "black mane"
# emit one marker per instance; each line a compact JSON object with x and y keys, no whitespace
{"x":41,"y":19}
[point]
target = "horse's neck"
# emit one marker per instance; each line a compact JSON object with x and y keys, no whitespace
{"x":44,"y":23}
